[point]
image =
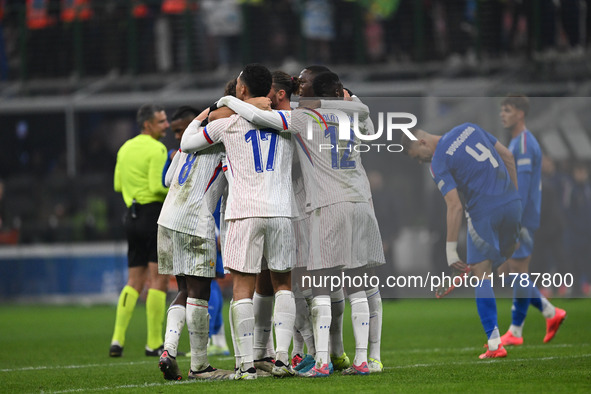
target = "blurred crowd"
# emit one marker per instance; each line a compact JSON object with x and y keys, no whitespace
{"x":54,"y":38}
{"x":42,"y":201}
{"x":562,"y":242}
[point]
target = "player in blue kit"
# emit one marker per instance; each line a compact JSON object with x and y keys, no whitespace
{"x":528,"y":160}
{"x":470,"y":161}
{"x":217,"y":335}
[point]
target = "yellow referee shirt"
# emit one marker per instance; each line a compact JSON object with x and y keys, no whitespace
{"x":138,"y":172}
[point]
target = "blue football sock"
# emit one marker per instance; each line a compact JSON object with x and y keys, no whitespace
{"x":487,"y":306}
{"x":521,"y":300}
{"x":535,"y":297}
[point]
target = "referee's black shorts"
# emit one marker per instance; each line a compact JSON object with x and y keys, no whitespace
{"x":142,"y":233}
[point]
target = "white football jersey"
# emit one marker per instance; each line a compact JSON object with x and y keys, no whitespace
{"x":259,"y":167}
{"x":331,"y":167}
{"x":196,"y":186}
{"x":299,"y":190}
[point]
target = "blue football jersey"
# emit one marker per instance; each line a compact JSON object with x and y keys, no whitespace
{"x":528,"y":162}
{"x":465,"y":159}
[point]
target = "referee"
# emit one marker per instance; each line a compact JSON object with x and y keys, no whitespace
{"x":138,"y":176}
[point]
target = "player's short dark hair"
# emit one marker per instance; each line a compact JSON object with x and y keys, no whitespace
{"x":327,"y":84}
{"x":316,"y":69}
{"x":519,"y":101}
{"x":284,"y":81}
{"x":406,"y":142}
{"x":185,"y":111}
{"x":230,"y":89}
{"x":257,"y":78}
{"x":146,"y":112}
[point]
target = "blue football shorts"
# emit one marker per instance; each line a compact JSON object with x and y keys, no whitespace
{"x":526,"y":244}
{"x":490,"y":236}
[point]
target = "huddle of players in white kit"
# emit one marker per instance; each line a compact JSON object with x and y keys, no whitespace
{"x":314,"y":217}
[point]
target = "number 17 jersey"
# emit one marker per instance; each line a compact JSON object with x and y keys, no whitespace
{"x":259,"y":167}
{"x":465,"y":159}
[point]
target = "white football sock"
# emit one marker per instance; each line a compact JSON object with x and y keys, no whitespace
{"x":298,"y":343}
{"x":175,"y":321}
{"x":517,"y":331}
{"x":270,"y":350}
{"x":374,"y":300}
{"x":243,"y":322}
{"x":337,"y":309}
{"x":198,"y":326}
{"x":321,"y":325}
{"x":304,"y":325}
{"x":263,"y":313}
{"x":360,"y":319}
{"x":238,"y":359}
{"x":548,"y":310}
{"x":495,"y":340}
{"x":219,"y":339}
{"x":284,"y":318}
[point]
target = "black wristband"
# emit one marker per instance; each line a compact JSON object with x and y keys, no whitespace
{"x":212,"y":108}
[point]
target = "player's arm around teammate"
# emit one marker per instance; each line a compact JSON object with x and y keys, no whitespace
{"x":197,"y":138}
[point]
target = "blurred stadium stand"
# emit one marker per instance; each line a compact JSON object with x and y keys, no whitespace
{"x":71,"y":84}
{"x":71,"y":80}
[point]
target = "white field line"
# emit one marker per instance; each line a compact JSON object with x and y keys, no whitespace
{"x":472,"y":362}
{"x":48,"y":367}
{"x":130,"y":386}
{"x":44,"y":367}
{"x":505,"y":360}
{"x":472,"y":349}
{"x":404,"y":351}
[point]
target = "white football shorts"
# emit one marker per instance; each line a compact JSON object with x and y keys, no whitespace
{"x":185,"y":254}
{"x":330,"y":236}
{"x":368,"y":250}
{"x":301,"y":229}
{"x":248,"y":240}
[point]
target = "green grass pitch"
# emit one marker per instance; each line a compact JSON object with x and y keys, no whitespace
{"x":428,"y":345}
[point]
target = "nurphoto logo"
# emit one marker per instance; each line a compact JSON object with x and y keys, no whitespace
{"x":337,"y":125}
